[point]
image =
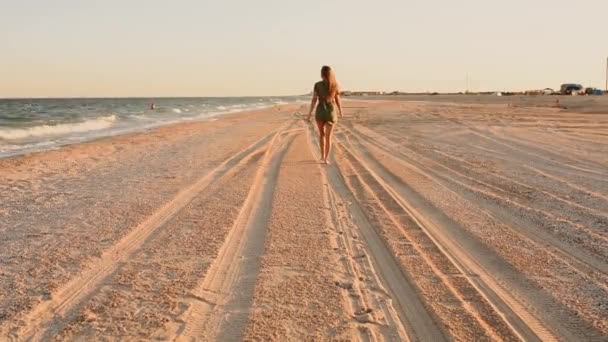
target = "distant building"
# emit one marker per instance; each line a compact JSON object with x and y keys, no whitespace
{"x":548,"y":91}
{"x":362,"y":93}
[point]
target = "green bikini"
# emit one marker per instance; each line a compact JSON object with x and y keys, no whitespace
{"x":325,"y":108}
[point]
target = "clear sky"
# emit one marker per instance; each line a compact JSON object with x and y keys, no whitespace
{"x":271,"y":47}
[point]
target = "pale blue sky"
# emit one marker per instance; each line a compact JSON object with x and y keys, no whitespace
{"x":272,"y":47}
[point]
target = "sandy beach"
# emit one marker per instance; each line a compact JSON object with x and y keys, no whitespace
{"x":436,"y":220}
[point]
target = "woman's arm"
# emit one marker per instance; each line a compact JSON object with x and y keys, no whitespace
{"x":313,"y":104}
{"x":339,"y":104}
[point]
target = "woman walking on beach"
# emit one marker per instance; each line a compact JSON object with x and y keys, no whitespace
{"x":325,"y":96}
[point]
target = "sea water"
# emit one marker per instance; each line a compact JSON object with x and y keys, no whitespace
{"x":28,"y":125}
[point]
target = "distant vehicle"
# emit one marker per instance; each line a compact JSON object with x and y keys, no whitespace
{"x":571,"y":89}
{"x":593,"y":91}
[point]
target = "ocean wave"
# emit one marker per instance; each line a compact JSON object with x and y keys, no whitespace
{"x":177,"y":110}
{"x":240,"y":107}
{"x":60,"y":129}
{"x":11,"y":148}
{"x":141,"y":117}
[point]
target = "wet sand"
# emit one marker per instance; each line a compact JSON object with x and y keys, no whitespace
{"x":435,"y":221}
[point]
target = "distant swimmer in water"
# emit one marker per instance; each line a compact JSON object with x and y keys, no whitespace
{"x":152,"y":106}
{"x":325,"y":96}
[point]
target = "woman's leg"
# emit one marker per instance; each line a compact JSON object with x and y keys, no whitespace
{"x":328,"y":130}
{"x":320,"y":125}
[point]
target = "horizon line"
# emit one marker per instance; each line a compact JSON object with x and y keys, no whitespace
{"x":136,"y":97}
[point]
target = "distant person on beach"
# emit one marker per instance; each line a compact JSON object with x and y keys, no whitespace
{"x":325,"y":97}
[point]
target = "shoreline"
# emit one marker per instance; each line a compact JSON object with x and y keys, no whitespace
{"x":144,"y":129}
{"x":36,"y":125}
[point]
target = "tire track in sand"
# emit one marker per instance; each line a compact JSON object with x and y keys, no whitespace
{"x":412,"y":313}
{"x":46,"y":316}
{"x":568,"y":183}
{"x":543,"y":321}
{"x":526,"y":325}
{"x":536,"y":152}
{"x":501,"y":179}
{"x":464,"y":312}
{"x":365,"y":293}
{"x":226,"y":292}
{"x":581,"y":261}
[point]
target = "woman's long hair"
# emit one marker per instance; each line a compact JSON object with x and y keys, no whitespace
{"x":329,"y":78}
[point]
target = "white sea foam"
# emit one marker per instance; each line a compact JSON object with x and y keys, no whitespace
{"x":61,"y":129}
{"x":11,"y":148}
{"x":141,"y":117}
{"x":176,"y":110}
